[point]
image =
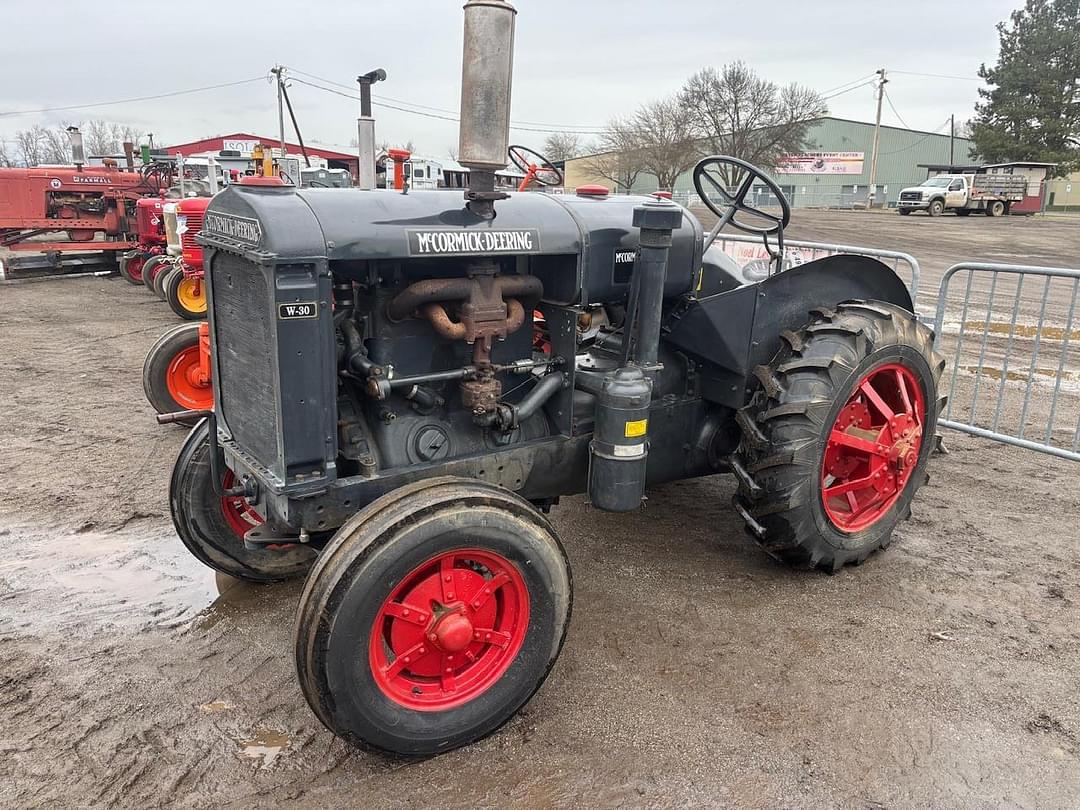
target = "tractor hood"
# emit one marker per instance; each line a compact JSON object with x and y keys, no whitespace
{"x":278,"y":223}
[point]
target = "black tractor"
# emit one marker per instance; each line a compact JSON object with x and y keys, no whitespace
{"x":406,"y":383}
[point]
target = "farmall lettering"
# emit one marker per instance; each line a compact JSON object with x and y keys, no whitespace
{"x":443,"y":243}
{"x":91,"y":179}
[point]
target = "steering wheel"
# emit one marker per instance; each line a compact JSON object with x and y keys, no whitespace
{"x":541,"y":169}
{"x":719,"y":173}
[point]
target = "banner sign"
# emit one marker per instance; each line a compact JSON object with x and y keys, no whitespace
{"x":822,"y":163}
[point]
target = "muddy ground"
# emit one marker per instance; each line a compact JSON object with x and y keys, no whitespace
{"x":697,"y":672}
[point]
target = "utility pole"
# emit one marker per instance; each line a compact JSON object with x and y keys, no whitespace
{"x":882,"y":81}
{"x":278,"y":70}
{"x":952,"y":141}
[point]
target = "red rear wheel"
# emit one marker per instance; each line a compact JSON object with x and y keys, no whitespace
{"x":873,"y":447}
{"x":448,"y":632}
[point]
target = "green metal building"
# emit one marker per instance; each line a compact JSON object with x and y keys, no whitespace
{"x":835,"y":170}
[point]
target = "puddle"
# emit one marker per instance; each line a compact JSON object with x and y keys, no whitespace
{"x":130,"y":578}
{"x":267,"y":745}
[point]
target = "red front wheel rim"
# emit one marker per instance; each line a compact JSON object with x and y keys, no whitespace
{"x":873,"y":447}
{"x":238,"y":513}
{"x":449,"y":630}
{"x":184,"y":380}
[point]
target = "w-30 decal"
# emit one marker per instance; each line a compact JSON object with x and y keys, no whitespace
{"x":300,"y":309}
{"x":472,"y":243}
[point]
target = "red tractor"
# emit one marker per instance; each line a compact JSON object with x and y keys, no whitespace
{"x":150,"y":232}
{"x":183,"y":286}
{"x":78,"y":201}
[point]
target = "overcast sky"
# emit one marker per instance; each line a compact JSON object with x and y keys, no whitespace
{"x":577,"y":63}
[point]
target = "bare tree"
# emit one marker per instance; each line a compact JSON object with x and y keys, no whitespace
{"x":7,"y":158}
{"x":616,"y":155}
{"x":452,"y":152}
{"x":107,"y":137}
{"x":561,"y":146}
{"x":664,"y":139}
{"x":744,"y":115}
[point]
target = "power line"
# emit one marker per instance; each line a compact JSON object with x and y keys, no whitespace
{"x":916,"y":143}
{"x":445,"y":115}
{"x":15,"y":113}
{"x":845,"y":84}
{"x":840,"y":93}
{"x":939,"y":76}
{"x":899,"y":117}
{"x":387,"y":101}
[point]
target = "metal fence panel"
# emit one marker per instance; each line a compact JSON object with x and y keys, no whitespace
{"x":797,"y":252}
{"x":1015,"y":371}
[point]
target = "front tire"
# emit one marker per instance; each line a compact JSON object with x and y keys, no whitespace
{"x":835,"y":443}
{"x":936,"y":208}
{"x":154,"y":266}
{"x":171,"y":373}
{"x":432,"y":616}
{"x":186,"y":296}
{"x":212,"y":526}
{"x":131,"y":266}
{"x":904,"y":211}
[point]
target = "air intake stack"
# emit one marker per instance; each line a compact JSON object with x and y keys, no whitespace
{"x":486,"y":74}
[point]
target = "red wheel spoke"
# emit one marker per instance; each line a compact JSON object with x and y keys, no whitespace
{"x":488,"y":636}
{"x":406,"y":612}
{"x":902,"y":385}
{"x":857,"y":443}
{"x":484,"y":593}
{"x":410,"y":656}
{"x":861,"y":508}
{"x":875,"y":399}
{"x":849,"y":487}
{"x":446,"y":578}
{"x":446,"y":675}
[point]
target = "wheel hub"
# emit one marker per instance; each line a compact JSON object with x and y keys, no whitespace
{"x":453,"y":633}
{"x":873,"y":447}
{"x":449,"y":630}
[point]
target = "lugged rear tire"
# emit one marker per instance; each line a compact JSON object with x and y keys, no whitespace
{"x":791,"y":422}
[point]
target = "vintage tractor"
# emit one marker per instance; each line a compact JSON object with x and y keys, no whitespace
{"x":385,"y":423}
{"x":183,"y":288}
{"x":150,"y":236}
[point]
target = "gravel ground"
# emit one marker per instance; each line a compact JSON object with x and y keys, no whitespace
{"x":696,"y":672}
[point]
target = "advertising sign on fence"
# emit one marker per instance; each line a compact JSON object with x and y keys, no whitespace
{"x":822,"y":163}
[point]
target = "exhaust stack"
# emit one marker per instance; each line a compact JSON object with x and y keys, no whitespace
{"x":486,"y":74}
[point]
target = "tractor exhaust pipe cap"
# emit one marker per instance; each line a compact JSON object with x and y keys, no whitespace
{"x":487,"y":66}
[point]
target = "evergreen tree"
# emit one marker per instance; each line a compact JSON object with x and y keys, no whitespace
{"x":1031,"y":109}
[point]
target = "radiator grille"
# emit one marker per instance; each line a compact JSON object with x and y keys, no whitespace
{"x":243,"y":322}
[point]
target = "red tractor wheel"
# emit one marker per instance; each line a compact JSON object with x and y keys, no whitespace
{"x":152,"y":268}
{"x":432,"y":616}
{"x":173,"y":375}
{"x":186,"y":296}
{"x":835,"y":443}
{"x":131,"y":266}
{"x":212,"y":526}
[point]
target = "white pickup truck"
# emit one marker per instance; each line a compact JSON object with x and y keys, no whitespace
{"x":963,"y":193}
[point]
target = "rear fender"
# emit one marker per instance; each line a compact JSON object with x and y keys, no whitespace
{"x":735,"y":331}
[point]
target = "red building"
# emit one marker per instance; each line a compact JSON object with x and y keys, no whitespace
{"x":244,"y":142}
